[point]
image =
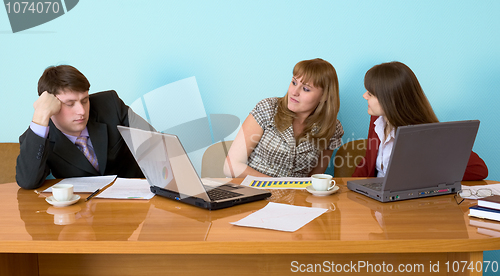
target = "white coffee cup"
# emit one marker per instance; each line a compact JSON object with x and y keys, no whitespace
{"x":62,"y":192}
{"x":322,"y":182}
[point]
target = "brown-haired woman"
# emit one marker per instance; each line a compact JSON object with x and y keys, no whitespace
{"x":291,"y":136}
{"x":395,"y":98}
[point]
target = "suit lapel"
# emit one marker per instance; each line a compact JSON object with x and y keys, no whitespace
{"x":68,"y":151}
{"x":98,"y":133}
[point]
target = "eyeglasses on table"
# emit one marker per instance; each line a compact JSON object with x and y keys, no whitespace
{"x":480,"y":193}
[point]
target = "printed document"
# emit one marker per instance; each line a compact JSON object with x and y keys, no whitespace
{"x":276,"y":182}
{"x":128,"y":188}
{"x":86,"y":184}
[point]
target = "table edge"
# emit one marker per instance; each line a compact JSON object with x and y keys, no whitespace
{"x":250,"y":247}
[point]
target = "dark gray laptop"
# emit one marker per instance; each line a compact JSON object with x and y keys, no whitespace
{"x":171,"y":174}
{"x":426,"y":160}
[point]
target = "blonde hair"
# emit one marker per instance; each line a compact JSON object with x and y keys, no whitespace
{"x":321,"y":123}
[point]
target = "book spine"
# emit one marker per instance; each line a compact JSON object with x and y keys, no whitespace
{"x":488,"y":204}
{"x":484,"y":214}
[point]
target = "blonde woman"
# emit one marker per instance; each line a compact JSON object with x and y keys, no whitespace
{"x":291,"y":136}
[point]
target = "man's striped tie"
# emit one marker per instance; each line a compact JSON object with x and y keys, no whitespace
{"x":87,"y":151}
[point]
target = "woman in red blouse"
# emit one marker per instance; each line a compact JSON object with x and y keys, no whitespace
{"x":395,"y":98}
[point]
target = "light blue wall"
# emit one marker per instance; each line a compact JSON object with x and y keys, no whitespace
{"x":494,"y":258}
{"x":243,"y":51}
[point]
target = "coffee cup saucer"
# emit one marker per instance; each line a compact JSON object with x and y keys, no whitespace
{"x":322,"y":193}
{"x":52,"y":201}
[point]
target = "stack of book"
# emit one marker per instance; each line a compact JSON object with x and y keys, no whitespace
{"x":488,"y":208}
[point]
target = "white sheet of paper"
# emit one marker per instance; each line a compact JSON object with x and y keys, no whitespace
{"x":128,"y":188}
{"x":495,"y":188}
{"x":282,"y":217}
{"x":248,"y":180}
{"x":86,"y":184}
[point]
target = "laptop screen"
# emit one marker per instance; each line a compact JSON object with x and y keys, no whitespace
{"x":164,"y":162}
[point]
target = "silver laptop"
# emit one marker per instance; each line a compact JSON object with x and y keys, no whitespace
{"x":171,"y":174}
{"x":426,"y":160}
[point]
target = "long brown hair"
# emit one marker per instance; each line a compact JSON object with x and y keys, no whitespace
{"x":321,"y":123}
{"x":399,"y":94}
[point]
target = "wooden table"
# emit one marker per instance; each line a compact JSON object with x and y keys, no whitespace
{"x":164,"y":237}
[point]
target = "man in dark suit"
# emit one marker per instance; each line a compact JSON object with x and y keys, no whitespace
{"x":74,"y":134}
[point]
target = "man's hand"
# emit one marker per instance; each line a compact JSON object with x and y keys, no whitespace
{"x":45,"y":106}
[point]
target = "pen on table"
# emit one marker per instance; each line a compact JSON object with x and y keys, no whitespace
{"x":92,"y":195}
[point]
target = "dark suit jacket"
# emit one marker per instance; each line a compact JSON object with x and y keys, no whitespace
{"x":58,"y":155}
{"x":476,"y":168}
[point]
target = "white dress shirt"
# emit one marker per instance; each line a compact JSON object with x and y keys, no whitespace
{"x":385,"y":148}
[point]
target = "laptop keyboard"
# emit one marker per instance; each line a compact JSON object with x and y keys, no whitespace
{"x":373,"y":186}
{"x":219,"y":194}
